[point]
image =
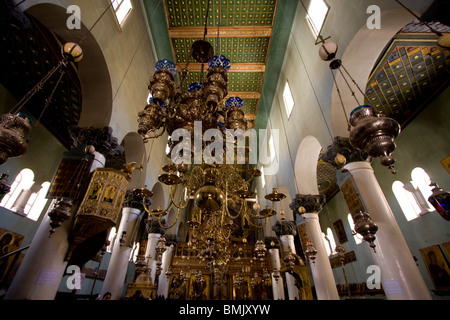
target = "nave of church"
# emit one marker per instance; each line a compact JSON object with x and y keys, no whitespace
{"x":242,"y":150}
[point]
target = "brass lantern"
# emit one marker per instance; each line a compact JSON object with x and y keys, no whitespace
{"x":374,"y":134}
{"x":13,"y":131}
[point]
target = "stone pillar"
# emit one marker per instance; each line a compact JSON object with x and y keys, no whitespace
{"x":287,"y":243}
{"x":118,"y":265}
{"x":43,"y":267}
{"x":286,"y":231}
{"x":322,"y":272}
{"x":155,"y":232}
{"x":401,"y":279}
{"x":150,"y":254}
{"x":163,"y":283}
{"x":277,"y":286}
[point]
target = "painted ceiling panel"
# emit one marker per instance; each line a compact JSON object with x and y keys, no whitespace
{"x":191,"y":13}
{"x":411,"y":73}
{"x":241,"y":30}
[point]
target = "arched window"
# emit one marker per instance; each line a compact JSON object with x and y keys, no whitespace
{"x":134,"y":252}
{"x":23,"y":181}
{"x":326,"y":241}
{"x":330,"y":243}
{"x":421,"y":180}
{"x":358,"y":238}
{"x":406,"y":200}
{"x":330,"y":237}
{"x":413,"y":196}
{"x":122,"y":8}
{"x":111,"y":239}
{"x":36,"y":203}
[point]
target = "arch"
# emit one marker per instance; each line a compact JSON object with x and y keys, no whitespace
{"x":159,"y":196}
{"x":359,"y":58}
{"x":135,"y":152}
{"x":306,"y":166}
{"x":92,"y":70}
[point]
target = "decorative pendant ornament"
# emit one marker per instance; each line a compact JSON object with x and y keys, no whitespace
{"x":366,"y":227}
{"x":374,"y":134}
{"x":13,"y":131}
{"x":311,"y":252}
{"x":60,"y":213}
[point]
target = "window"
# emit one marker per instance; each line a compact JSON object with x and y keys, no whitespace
{"x":406,"y":200}
{"x":330,"y":243}
{"x":23,"y":181}
{"x":289,"y":102}
{"x":317,"y":13}
{"x":134,"y":252}
{"x":272,"y":148}
{"x":36,"y":203}
{"x":122,"y":8}
{"x":263,"y":178}
{"x":168,"y":146}
{"x":421,"y":181}
{"x":111,"y":239}
{"x":413,"y":196}
{"x":358,"y":238}
{"x":24,"y":198}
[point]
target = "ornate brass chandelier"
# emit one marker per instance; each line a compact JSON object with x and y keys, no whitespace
{"x":216,"y":195}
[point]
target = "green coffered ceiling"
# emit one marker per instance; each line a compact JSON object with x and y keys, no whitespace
{"x":246,"y":30}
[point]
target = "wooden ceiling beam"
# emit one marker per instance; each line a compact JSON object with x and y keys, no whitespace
{"x":235,"y":67}
{"x":244,"y":95}
{"x":225,"y":32}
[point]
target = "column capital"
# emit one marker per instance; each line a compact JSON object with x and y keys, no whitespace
{"x":153,"y":227}
{"x":103,"y":141}
{"x":285,"y":228}
{"x":311,"y":203}
{"x":134,"y":201}
{"x":341,"y":152}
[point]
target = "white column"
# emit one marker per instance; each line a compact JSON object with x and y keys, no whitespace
{"x":118,"y":265}
{"x":150,"y":254}
{"x":277,"y":286}
{"x":321,"y":270}
{"x":163,"y":283}
{"x":43,"y":267}
{"x":287,"y":243}
{"x":400,"y":275}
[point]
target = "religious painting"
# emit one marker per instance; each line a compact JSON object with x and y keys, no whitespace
{"x":178,"y":288}
{"x":302,"y":283}
{"x":9,"y":242}
{"x":340,"y":231}
{"x":263,"y":290}
{"x":446,"y":247}
{"x":95,"y":191}
{"x":243,"y":290}
{"x":199,"y":287}
{"x":110,"y":194}
{"x":437,"y":267}
{"x":446,"y":164}
{"x":351,"y":197}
